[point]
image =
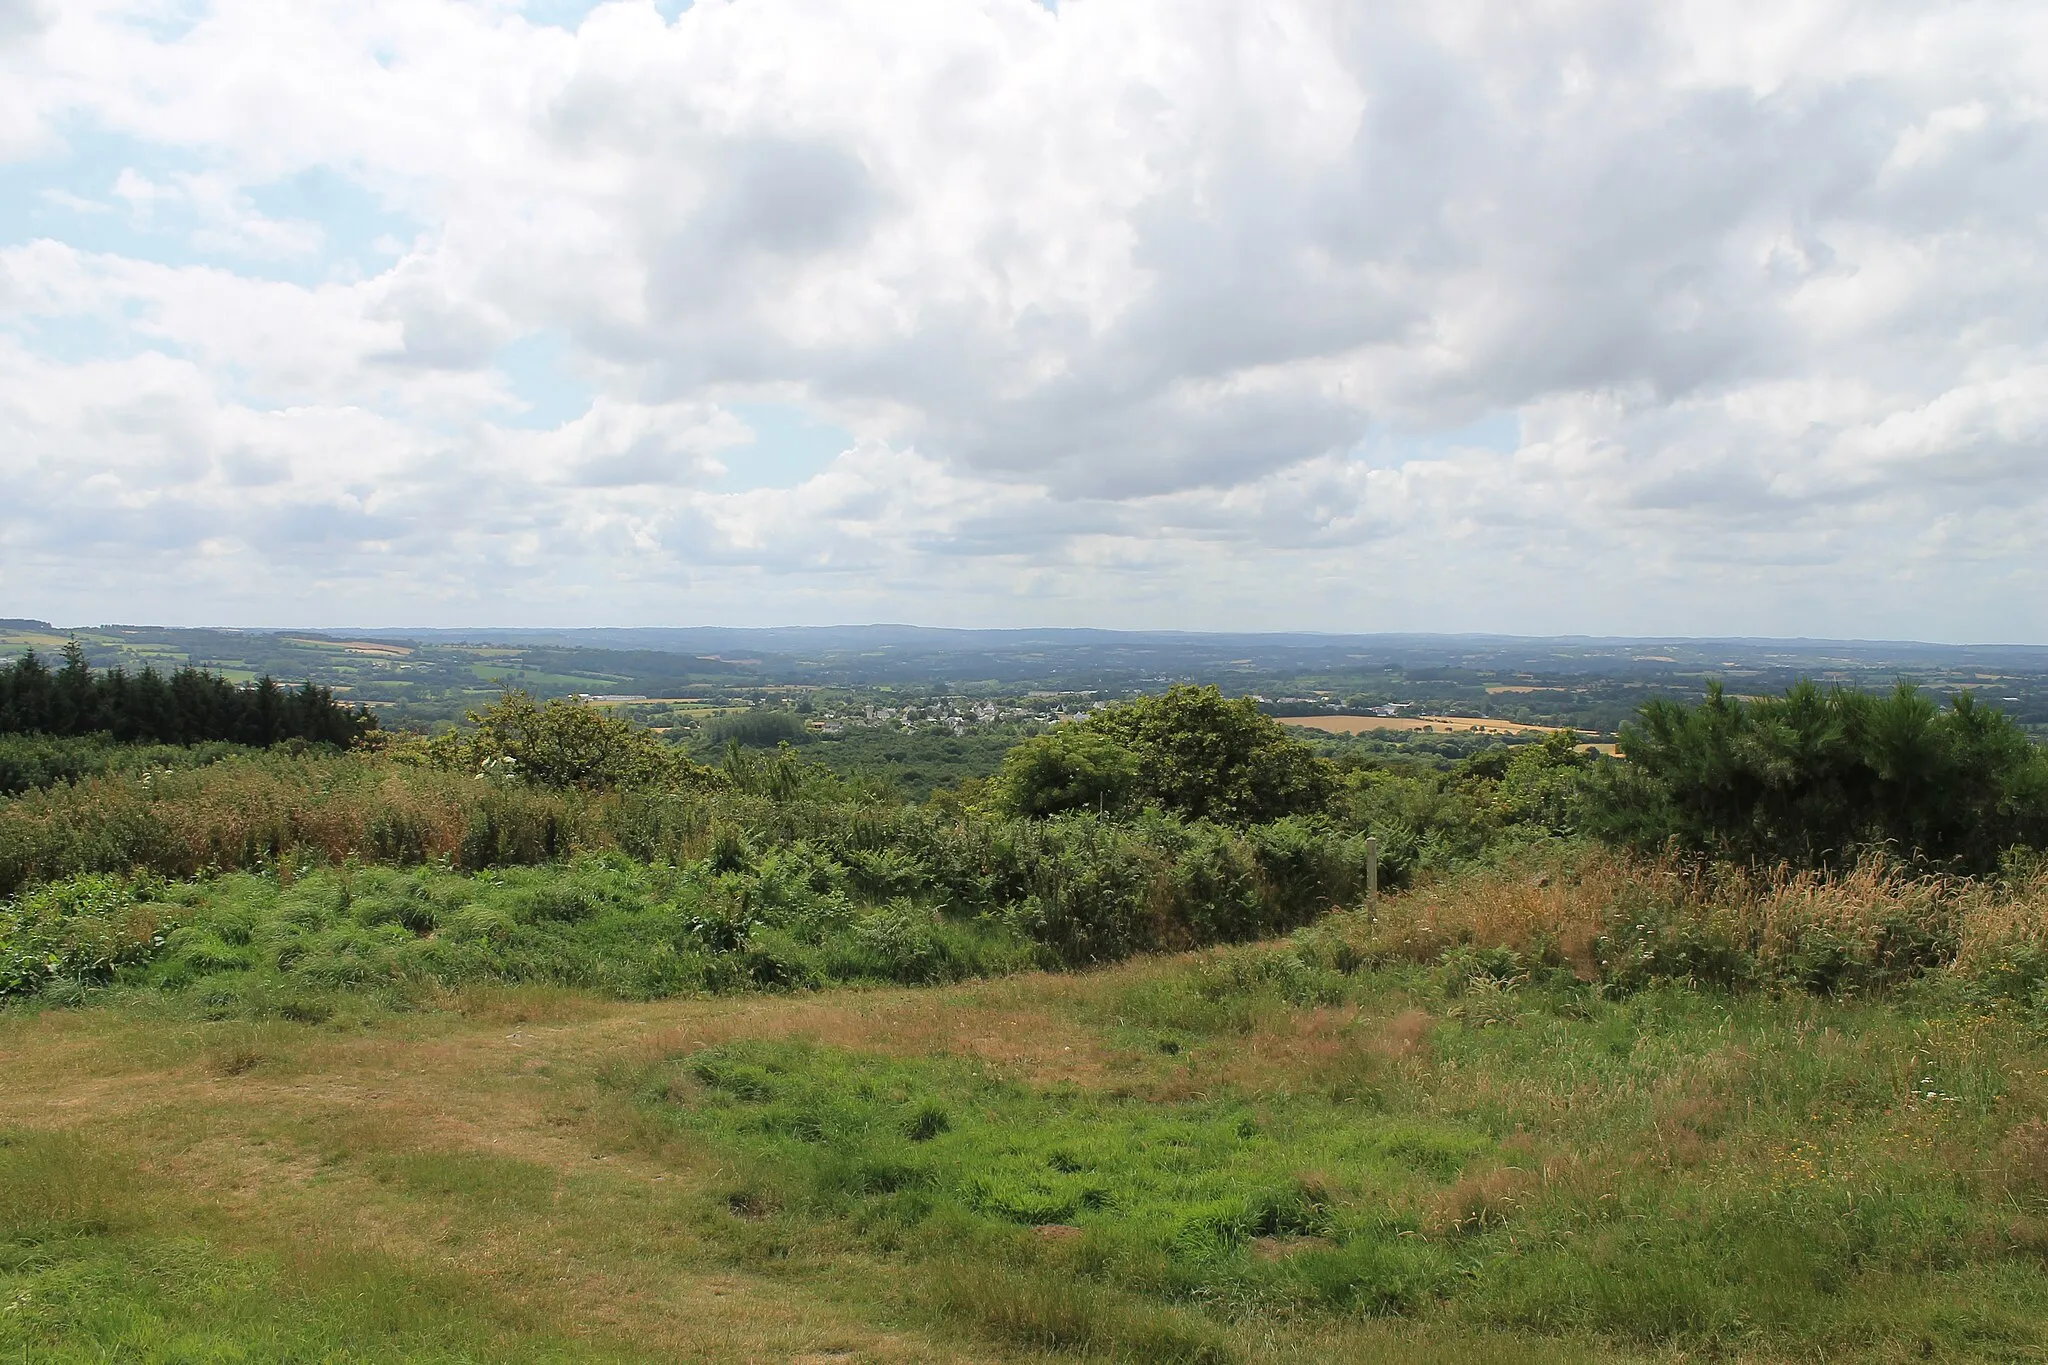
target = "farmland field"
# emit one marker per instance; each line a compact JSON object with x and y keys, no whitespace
{"x":1456,"y":725}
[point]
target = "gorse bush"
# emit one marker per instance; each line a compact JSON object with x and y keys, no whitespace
{"x":1433,"y":821}
{"x":819,"y":878}
{"x":1815,"y":777}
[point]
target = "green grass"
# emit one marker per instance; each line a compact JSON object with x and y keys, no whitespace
{"x":94,"y":1267}
{"x":1247,"y":1154}
{"x":1167,"y":1199}
{"x":517,"y":675}
{"x":186,"y":1299}
{"x":1676,"y":1170}
{"x":244,"y":944}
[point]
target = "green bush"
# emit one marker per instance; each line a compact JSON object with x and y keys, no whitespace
{"x":80,"y":930}
{"x":756,"y":729}
{"x":31,"y":762}
{"x":565,"y":742}
{"x":1816,"y":778}
{"x":1190,"y":751}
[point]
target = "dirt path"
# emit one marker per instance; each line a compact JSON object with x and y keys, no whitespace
{"x":285,"y":1137}
{"x":479,"y":1144}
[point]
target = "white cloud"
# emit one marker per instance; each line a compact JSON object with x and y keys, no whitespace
{"x":1141,"y":312}
{"x":224,"y":218}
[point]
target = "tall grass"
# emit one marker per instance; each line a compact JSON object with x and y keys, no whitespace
{"x":1080,"y":887}
{"x":1631,"y":922}
{"x":29,"y":762}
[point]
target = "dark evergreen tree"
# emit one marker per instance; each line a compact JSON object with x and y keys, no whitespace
{"x":1814,"y":777}
{"x":189,"y":707}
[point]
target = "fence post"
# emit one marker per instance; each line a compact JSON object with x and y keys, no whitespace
{"x":1372,"y":867}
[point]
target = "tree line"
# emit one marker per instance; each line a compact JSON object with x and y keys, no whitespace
{"x":1816,"y":778}
{"x":188,"y":706}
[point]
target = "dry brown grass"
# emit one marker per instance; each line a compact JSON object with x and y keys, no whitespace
{"x":2023,"y":1157}
{"x":259,"y":813}
{"x":1404,"y":1036}
{"x":1481,"y":1199}
{"x":1995,"y":925}
{"x":279,"y":1152}
{"x":1012,"y":1027}
{"x":1560,"y":910}
{"x":1879,"y":913}
{"x":305,"y":1142}
{"x":1688,"y":1126}
{"x":297,"y":1142}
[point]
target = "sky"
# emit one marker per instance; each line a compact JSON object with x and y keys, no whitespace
{"x":1575,"y":316}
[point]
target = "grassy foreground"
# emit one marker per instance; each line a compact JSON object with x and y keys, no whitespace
{"x":1392,"y":1137}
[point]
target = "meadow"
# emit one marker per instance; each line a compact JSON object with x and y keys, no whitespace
{"x":1391,"y":1135}
{"x":403,"y":1054}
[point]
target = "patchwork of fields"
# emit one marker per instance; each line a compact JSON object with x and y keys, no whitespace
{"x":1456,"y":725}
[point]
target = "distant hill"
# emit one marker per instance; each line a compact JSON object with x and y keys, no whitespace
{"x":1570,"y":653}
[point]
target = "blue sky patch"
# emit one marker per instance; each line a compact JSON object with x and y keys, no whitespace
{"x":570,"y":14}
{"x":76,"y":196}
{"x":538,"y":367}
{"x":1388,"y":447}
{"x":789,"y":447}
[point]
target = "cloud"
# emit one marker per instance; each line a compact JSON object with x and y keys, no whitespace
{"x":618,"y":445}
{"x":1143,"y":312}
{"x":20,"y":20}
{"x":224,"y":220}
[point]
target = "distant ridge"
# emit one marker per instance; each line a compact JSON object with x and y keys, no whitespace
{"x":937,"y":639}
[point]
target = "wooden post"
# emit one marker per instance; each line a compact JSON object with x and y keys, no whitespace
{"x":1372,"y":867}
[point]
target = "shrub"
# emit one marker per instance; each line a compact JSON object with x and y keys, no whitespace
{"x":80,"y":929}
{"x":563,"y":743}
{"x":902,"y":943}
{"x":31,"y":762}
{"x":1190,"y":751}
{"x":1816,"y":778}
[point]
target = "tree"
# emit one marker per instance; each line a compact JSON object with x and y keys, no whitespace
{"x":191,"y":706}
{"x":1191,"y":750}
{"x":1813,"y":777}
{"x":565,"y":743}
{"x":76,"y":709}
{"x":1069,"y":768}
